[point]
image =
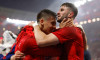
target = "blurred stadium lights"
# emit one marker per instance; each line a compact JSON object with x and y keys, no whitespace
{"x":93,"y":20}
{"x":89,"y":21}
{"x":98,"y":19}
{"x":81,"y":22}
{"x":81,"y":2}
{"x":85,"y":22}
{"x":17,"y":21}
{"x":89,"y":0}
{"x":3,"y":29}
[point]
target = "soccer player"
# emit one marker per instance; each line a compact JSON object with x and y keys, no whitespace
{"x":26,"y":42}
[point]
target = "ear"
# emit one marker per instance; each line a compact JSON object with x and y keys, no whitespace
{"x":41,"y":21}
{"x":70,"y":14}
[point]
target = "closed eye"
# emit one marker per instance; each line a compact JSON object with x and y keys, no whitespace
{"x":62,"y":10}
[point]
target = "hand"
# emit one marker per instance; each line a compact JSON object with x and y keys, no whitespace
{"x":17,"y":56}
{"x":66,"y":23}
{"x":31,"y":23}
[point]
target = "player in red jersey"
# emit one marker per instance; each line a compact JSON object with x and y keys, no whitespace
{"x":26,"y":42}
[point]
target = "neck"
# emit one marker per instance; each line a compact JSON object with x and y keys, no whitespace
{"x":41,"y":27}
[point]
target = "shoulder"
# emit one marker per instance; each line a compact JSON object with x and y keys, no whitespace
{"x":27,"y":39}
{"x":66,"y":30}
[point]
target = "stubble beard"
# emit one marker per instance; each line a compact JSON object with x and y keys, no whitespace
{"x":65,"y":16}
{"x":60,"y":20}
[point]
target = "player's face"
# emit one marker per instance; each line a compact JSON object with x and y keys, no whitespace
{"x":49,"y":25}
{"x":62,"y":13}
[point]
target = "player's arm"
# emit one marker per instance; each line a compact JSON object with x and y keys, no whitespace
{"x":50,"y":39}
{"x":44,"y":40}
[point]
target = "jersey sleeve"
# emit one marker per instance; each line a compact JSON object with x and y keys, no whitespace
{"x":65,"y":34}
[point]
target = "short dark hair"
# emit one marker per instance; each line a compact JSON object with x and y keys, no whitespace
{"x":45,"y":13}
{"x":72,"y":7}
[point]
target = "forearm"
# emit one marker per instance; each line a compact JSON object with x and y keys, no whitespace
{"x":43,"y":39}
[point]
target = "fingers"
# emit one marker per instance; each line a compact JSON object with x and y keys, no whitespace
{"x":64,"y":20}
{"x":31,"y":23}
{"x":66,"y":23}
{"x":19,"y":54}
{"x":17,"y":51}
{"x":69,"y":22}
{"x":14,"y":57}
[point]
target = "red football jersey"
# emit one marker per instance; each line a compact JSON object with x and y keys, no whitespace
{"x":72,"y":41}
